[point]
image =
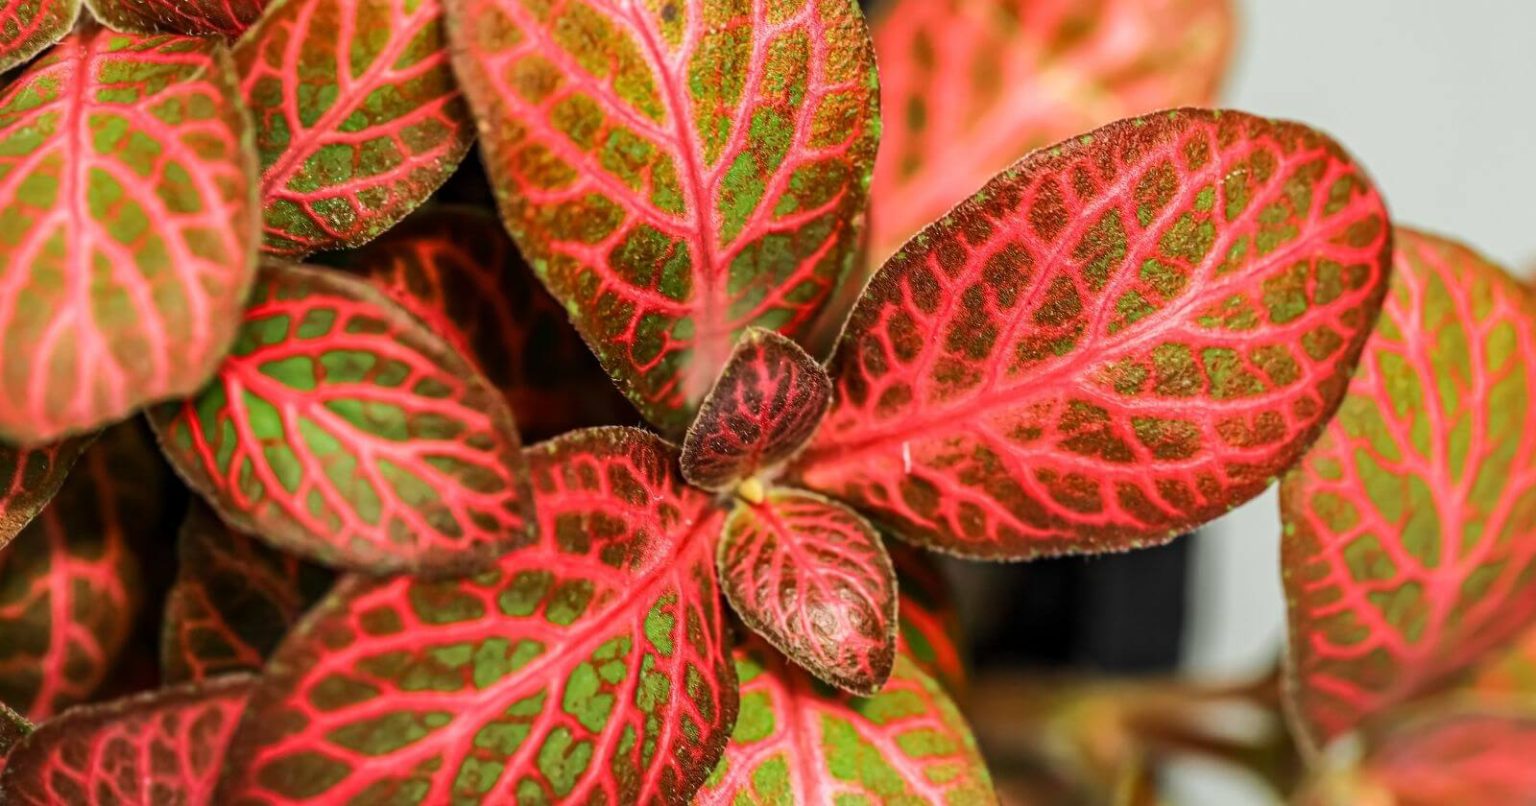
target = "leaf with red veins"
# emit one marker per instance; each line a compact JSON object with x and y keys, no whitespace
{"x":592,"y":667}
{"x":342,"y":430}
{"x":799,"y":741}
{"x":358,"y":117}
{"x":226,"y":18}
{"x":1116,"y":340}
{"x":766,"y":404}
{"x":29,"y":478}
{"x":13,"y":728}
{"x":160,"y":747}
{"x":28,"y":27}
{"x":928,"y":624}
{"x":1411,"y":525}
{"x":233,"y":600}
{"x":1456,"y":755}
{"x":812,"y":578}
{"x":456,"y":269}
{"x":676,"y":172}
{"x":128,"y":239}
{"x":70,"y":582}
{"x":970,"y":86}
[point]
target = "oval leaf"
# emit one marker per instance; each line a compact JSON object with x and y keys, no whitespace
{"x":233,"y":600}
{"x":589,"y":668}
{"x":456,"y":270}
{"x":226,"y":18}
{"x":128,"y":239}
{"x":1455,"y":756}
{"x":766,"y":404}
{"x":341,"y":430}
{"x":70,"y":582}
{"x":29,"y":478}
{"x":812,"y":578}
{"x":341,"y":166}
{"x":969,"y":86}
{"x":27,"y":27}
{"x":928,"y":624}
{"x":797,"y":741}
{"x":676,"y":172}
{"x":1116,"y":340}
{"x":1410,"y":532}
{"x":157,"y":748}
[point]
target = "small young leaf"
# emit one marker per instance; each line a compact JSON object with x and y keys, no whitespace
{"x":928,"y":624}
{"x":591,"y":668}
{"x":13,"y":728}
{"x":677,"y":172}
{"x":27,"y":27}
{"x":129,"y":234}
{"x":766,"y":404}
{"x":813,"y":578}
{"x":358,"y":117}
{"x":798,"y":741}
{"x":161,"y":747}
{"x":70,"y":583}
{"x":1410,"y":534}
{"x":970,"y":86}
{"x":456,"y":270}
{"x":1460,"y":755}
{"x":1118,"y":339}
{"x":233,"y":600}
{"x":342,"y":430}
{"x":226,"y":18}
{"x":29,"y":478}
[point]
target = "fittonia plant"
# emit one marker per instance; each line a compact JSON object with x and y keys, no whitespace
{"x":1122,"y":323}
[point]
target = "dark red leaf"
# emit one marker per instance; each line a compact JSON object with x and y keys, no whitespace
{"x":70,"y":582}
{"x":341,"y":429}
{"x":928,"y":624}
{"x":226,"y":18}
{"x":766,"y":404}
{"x":13,"y":728}
{"x":234,"y":598}
{"x":161,"y":747}
{"x":1119,"y":338}
{"x":811,"y":576}
{"x":456,"y":269}
{"x":1410,"y":539}
{"x":799,"y":742}
{"x":29,"y":478}
{"x":592,"y":667}
{"x":675,"y":171}
{"x":27,"y":27}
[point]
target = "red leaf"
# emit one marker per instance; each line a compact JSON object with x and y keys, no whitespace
{"x":69,"y":583}
{"x":969,"y":86}
{"x":343,"y":165}
{"x":341,"y":430}
{"x":129,"y":233}
{"x":1116,"y":340}
{"x":1461,"y":756}
{"x":29,"y":478}
{"x":233,"y":600}
{"x":675,"y":172}
{"x":589,"y":668}
{"x":1411,"y":525}
{"x":226,"y":18}
{"x":929,"y":626}
{"x":162,"y":747}
{"x":812,"y":578}
{"x":798,"y":741}
{"x":457,"y":270}
{"x":13,"y":728}
{"x":28,"y":27}
{"x":766,"y":404}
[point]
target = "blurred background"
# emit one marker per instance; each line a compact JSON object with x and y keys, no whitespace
{"x":1438,"y":100}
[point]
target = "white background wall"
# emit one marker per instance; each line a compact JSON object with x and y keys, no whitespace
{"x":1438,"y":99}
